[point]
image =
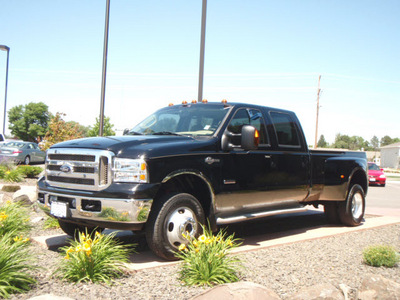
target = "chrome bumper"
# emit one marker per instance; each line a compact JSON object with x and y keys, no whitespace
{"x":102,"y":212}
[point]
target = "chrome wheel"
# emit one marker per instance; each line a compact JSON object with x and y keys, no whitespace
{"x":181,"y":222}
{"x":357,"y":205}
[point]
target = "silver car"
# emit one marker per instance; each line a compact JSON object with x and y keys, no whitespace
{"x":22,"y":152}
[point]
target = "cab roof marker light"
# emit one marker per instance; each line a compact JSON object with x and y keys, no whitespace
{"x":204,"y":101}
{"x":171,"y":104}
{"x":194,"y":101}
{"x":184,"y":102}
{"x":224,"y":101}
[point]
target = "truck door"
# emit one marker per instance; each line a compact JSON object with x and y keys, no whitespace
{"x":246,"y":175}
{"x":291,"y":159}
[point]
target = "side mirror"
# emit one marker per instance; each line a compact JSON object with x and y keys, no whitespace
{"x":126,"y":131}
{"x":250,"y":138}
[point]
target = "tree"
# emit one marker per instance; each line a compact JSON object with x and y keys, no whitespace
{"x":374,"y":143}
{"x":60,"y":131}
{"x":351,"y":143}
{"x":322,"y":142}
{"x":107,"y":128}
{"x":387,"y":140}
{"x":29,"y":122}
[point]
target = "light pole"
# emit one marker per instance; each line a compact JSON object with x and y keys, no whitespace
{"x":202,"y":48}
{"x":5,"y":48}
{"x":103,"y":81}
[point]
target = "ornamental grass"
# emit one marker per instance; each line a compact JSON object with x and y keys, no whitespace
{"x":94,"y":258}
{"x":206,"y":260}
{"x":15,"y":264}
{"x":14,"y":219}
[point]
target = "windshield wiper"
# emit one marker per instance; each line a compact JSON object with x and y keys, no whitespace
{"x":164,"y":133}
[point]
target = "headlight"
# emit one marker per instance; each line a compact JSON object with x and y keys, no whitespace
{"x":130,"y":170}
{"x":382,"y":176}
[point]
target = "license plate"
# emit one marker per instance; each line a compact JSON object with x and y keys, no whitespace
{"x":372,"y":179}
{"x":59,"y":209}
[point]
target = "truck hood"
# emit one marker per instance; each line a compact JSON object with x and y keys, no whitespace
{"x":149,"y":146}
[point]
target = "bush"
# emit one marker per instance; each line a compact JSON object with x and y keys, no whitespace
{"x":15,"y":264}
{"x":29,"y":171}
{"x":97,"y":260}
{"x":206,"y":260}
{"x":14,"y":219}
{"x":381,"y":255}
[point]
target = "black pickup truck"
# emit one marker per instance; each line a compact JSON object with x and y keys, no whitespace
{"x":194,"y":163}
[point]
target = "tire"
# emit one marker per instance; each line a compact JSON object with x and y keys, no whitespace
{"x":173,"y":215}
{"x":331,"y":212}
{"x":73,"y":229}
{"x":351,"y":211}
{"x":27,"y":160}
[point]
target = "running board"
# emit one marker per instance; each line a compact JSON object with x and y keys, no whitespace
{"x":246,"y":217}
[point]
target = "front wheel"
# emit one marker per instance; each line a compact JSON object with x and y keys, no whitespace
{"x":171,"y":218}
{"x":351,"y":211}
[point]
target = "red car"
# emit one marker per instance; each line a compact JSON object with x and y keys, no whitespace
{"x":376,"y":175}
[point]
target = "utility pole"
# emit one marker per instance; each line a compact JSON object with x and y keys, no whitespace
{"x":316,"y":125}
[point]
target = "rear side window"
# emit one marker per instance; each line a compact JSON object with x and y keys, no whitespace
{"x":285,"y":129}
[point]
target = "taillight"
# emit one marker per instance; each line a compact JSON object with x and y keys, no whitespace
{"x":17,"y":151}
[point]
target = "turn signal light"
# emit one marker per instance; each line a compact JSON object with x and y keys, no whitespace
{"x":256,"y":137}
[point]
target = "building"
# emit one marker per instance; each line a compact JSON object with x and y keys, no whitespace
{"x":390,"y":156}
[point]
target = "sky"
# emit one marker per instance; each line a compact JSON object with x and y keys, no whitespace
{"x":260,"y":51}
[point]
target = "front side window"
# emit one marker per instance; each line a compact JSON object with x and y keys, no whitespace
{"x":251,"y":117}
{"x":285,"y":129}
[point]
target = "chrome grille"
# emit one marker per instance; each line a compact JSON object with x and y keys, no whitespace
{"x":83,"y":169}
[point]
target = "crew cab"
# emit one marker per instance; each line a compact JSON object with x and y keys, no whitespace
{"x":199,"y":163}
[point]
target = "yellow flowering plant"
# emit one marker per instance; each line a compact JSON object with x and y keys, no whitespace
{"x":14,"y":219}
{"x":16,"y":263}
{"x":93,"y":257}
{"x":206,"y":259}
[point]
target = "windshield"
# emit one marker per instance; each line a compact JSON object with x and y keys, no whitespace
{"x":373,"y":167}
{"x":196,"y":119}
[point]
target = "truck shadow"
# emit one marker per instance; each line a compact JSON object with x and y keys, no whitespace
{"x":253,"y":235}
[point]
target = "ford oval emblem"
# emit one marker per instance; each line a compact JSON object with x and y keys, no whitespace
{"x":65,"y":168}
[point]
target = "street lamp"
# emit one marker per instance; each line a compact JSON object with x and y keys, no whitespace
{"x":5,"y":48}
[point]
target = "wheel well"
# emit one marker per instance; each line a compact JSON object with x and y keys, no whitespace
{"x":191,"y":184}
{"x":360,"y":178}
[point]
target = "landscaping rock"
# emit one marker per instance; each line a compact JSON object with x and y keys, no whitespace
{"x":239,"y":291}
{"x":50,"y":297}
{"x":376,"y":286}
{"x":325,"y":291}
{"x":25,"y":196}
{"x":10,"y":188}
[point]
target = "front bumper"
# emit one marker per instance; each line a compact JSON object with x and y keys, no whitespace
{"x":124,"y":213}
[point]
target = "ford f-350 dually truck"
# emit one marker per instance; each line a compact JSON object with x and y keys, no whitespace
{"x":199,"y":163}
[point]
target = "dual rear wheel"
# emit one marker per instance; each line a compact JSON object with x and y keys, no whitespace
{"x":349,"y":212}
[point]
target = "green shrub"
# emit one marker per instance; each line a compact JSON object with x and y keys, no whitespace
{"x":97,"y":260}
{"x":206,"y":260}
{"x":14,"y":219}
{"x":29,"y":171}
{"x":15,"y":264}
{"x":381,"y":255}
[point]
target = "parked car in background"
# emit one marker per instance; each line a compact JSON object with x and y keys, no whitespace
{"x":376,"y":175}
{"x":22,"y":152}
